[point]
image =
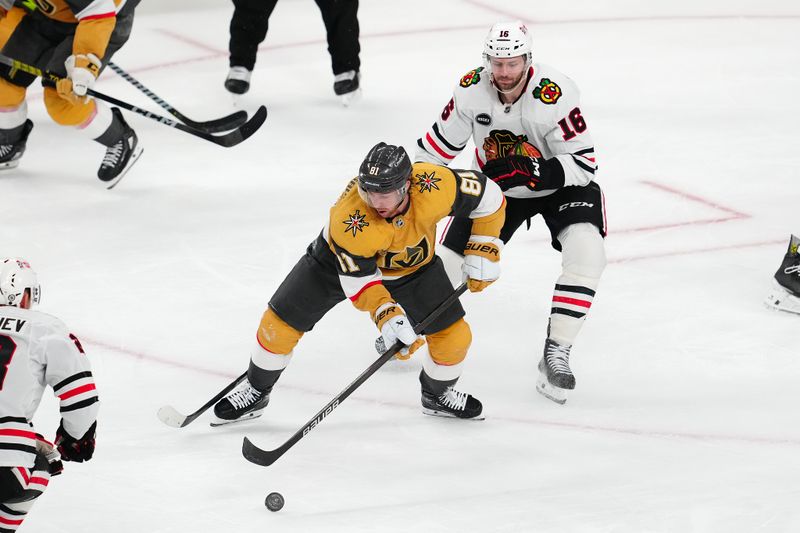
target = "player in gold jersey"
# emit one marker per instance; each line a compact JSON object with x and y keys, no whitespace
{"x":377,"y":250}
{"x":73,"y":39}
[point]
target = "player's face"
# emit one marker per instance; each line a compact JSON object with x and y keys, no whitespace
{"x":507,"y":71}
{"x":388,"y":204}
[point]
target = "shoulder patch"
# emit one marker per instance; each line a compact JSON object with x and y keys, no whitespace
{"x":427,"y":181}
{"x":471,"y":78}
{"x":547,"y":91}
{"x":355,"y":222}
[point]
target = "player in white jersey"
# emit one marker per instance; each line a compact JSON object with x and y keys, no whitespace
{"x":36,"y":350}
{"x":531,"y":139}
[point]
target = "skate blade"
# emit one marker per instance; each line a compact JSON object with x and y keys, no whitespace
{"x":351,"y":97}
{"x":8,"y":165}
{"x":779,"y":299}
{"x":249,"y":416}
{"x":550,"y":392}
{"x":134,"y":157}
{"x":445,"y":414}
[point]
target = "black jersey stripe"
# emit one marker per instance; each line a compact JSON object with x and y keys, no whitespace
{"x":79,"y":405}
{"x":18,"y":447}
{"x":583,"y":165}
{"x":72,"y":378}
{"x":568,"y":312}
{"x":575,"y":288}
{"x":17,"y":419}
{"x":585,"y":151}
{"x":445,"y":141}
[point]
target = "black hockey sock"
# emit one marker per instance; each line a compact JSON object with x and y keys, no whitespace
{"x":114,"y":132}
{"x":434,"y":386}
{"x":263,"y":380}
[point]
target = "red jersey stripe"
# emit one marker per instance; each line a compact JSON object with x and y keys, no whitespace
{"x":436,"y":147}
{"x":18,"y":433}
{"x":365,"y":287}
{"x":76,"y":391}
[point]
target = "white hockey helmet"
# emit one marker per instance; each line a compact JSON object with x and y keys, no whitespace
{"x":17,"y":276}
{"x":508,"y":39}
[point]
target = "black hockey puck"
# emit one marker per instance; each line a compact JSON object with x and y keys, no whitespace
{"x":274,"y":501}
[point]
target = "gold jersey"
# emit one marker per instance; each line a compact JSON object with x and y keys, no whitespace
{"x":369,"y":248}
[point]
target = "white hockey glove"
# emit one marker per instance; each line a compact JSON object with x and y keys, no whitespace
{"x":396,"y":326}
{"x":82,"y":71}
{"x":481,"y":261}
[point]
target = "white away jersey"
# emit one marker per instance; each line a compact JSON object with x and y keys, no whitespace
{"x":546,"y":121}
{"x":36,"y":350}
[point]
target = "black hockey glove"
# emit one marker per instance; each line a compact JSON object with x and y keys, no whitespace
{"x":538,"y":174}
{"x":78,"y":450}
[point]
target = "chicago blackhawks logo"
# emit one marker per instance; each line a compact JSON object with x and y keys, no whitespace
{"x":502,"y":143}
{"x":471,"y":78}
{"x":427,"y":182}
{"x":548,"y":91}
{"x":355,"y":222}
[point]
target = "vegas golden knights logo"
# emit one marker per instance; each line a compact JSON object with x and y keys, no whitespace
{"x":410,"y":257}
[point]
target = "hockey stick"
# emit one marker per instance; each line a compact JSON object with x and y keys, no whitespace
{"x":227,"y":140}
{"x":219,"y":125}
{"x":256,"y":455}
{"x":171,"y":417}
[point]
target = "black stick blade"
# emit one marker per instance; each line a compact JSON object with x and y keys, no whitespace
{"x":243,"y":132}
{"x":218,"y":125}
{"x":256,"y":455}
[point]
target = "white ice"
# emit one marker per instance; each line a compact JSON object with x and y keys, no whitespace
{"x":686,"y":415}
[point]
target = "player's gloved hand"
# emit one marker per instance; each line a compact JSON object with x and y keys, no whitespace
{"x":481,"y":262}
{"x":396,"y":326}
{"x":72,"y":449}
{"x":82,"y":71}
{"x":54,"y":464}
{"x":521,"y":170}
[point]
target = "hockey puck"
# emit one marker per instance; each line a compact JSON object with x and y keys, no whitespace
{"x":274,"y":501}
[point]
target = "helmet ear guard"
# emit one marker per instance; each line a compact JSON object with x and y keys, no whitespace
{"x":16,"y":278}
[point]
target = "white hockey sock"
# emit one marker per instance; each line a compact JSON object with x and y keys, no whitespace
{"x":13,"y":117}
{"x":98,"y":122}
{"x":583,"y":261}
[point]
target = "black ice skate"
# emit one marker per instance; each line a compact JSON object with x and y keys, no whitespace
{"x":120,"y":156}
{"x":245,"y":403}
{"x":10,"y":154}
{"x":555,"y":376}
{"x":785,"y":292}
{"x":347,"y":86}
{"x":238,"y":80}
{"x":452,"y":404}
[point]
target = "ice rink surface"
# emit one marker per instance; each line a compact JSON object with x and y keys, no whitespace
{"x":685,"y":417}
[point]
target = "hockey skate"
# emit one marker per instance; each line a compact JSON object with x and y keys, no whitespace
{"x":452,"y":404}
{"x":238,"y":80}
{"x":555,"y":376}
{"x":347,"y":86}
{"x":244,"y":403}
{"x":120,"y":156}
{"x":10,"y":154}
{"x":785,"y":292}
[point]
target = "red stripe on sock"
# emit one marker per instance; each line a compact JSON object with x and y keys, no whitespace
{"x":573,"y":301}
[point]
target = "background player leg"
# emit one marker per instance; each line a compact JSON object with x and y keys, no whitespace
{"x":248,"y":29}
{"x":583,"y":261}
{"x":341,"y":25}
